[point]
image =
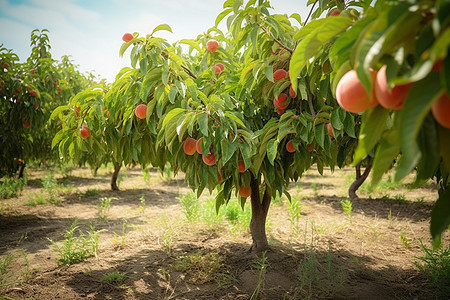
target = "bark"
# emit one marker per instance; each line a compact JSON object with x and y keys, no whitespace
{"x":360,"y":178}
{"x":21,"y":170}
{"x":260,"y":208}
{"x":114,"y":177}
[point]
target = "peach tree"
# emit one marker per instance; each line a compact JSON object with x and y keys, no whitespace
{"x":390,"y":65}
{"x":29,"y":92}
{"x":219,"y":108}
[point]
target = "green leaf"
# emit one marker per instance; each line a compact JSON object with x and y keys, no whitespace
{"x":228,"y":150}
{"x":386,"y":153}
{"x":172,"y":114}
{"x":417,"y":106}
{"x":428,"y":140}
{"x":58,"y":110}
{"x":191,"y":43}
{"x":203,"y":123}
{"x":272,"y":146}
{"x":296,"y":17}
{"x":232,"y":116}
{"x":162,"y":27}
{"x":335,"y":120}
{"x":222,"y":15}
{"x":349,"y":125}
{"x":314,"y":41}
{"x":269,"y":73}
{"x":440,"y":216}
{"x":374,"y":123}
{"x":319,"y":132}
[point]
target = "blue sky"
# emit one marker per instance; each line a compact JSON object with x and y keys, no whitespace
{"x":91,"y":30}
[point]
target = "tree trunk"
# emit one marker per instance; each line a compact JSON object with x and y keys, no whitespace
{"x":21,"y":170}
{"x":360,"y":178}
{"x":259,"y":215}
{"x":114,"y":177}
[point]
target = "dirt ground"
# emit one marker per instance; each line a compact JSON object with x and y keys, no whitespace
{"x":326,"y":253}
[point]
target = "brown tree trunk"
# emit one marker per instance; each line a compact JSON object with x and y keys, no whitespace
{"x":21,"y":170}
{"x":114,"y":177}
{"x":360,"y":178}
{"x":260,"y":209}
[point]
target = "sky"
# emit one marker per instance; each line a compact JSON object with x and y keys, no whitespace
{"x":90,"y":31}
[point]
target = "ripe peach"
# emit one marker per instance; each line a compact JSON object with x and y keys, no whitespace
{"x":33,"y":71}
{"x":141,"y":111}
{"x":199,"y":149}
{"x":244,"y":191}
{"x":19,"y":162}
{"x":280,"y":111}
{"x":241,"y":166}
{"x":330,"y":130}
{"x":5,"y":66}
{"x":26,"y":124}
{"x":279,"y":74}
{"x":394,"y":98}
{"x":351,"y":94}
{"x":441,"y":110}
{"x":292,"y":93}
{"x":212,"y":46}
{"x":218,"y":68}
{"x":84,"y":131}
{"x":279,"y":102}
{"x":33,"y":93}
{"x":127,"y":37}
{"x":437,"y":67}
{"x":36,"y":105}
{"x":209,"y":159}
{"x":290,"y":146}
{"x":189,"y":146}
{"x":335,"y":12}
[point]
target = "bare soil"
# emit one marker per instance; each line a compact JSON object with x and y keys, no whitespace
{"x":327,"y":254}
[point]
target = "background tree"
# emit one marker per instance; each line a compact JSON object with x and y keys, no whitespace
{"x":30,"y":92}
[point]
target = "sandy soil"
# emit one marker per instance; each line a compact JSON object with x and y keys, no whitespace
{"x":326,"y":254}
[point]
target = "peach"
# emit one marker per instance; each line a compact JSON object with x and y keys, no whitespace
{"x":351,"y":94}
{"x":212,"y":46}
{"x":141,"y":111}
{"x":218,"y":68}
{"x":189,"y":146}
{"x":394,"y":98}
{"x":279,"y":74}
{"x":244,"y":191}
{"x":279,"y":102}
{"x":441,"y":110}
{"x":290,"y":146}
{"x":241,"y":166}
{"x":209,"y":159}
{"x":127,"y":37}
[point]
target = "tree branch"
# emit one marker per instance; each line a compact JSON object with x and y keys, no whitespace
{"x":189,"y":72}
{"x":310,"y":13}
{"x":276,"y":40}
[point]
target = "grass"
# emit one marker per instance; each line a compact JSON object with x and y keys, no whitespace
{"x":76,"y":248}
{"x":36,"y":199}
{"x":190,"y":206}
{"x":120,"y":239}
{"x":104,"y":206}
{"x":91,"y":192}
{"x":10,"y":272}
{"x":347,"y":208}
{"x":294,"y":216}
{"x":11,"y":187}
{"x":435,"y":265}
{"x":114,"y":278}
{"x":199,"y":267}
{"x":261,"y":266}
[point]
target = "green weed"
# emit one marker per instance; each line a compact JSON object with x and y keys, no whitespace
{"x":74,"y":249}
{"x":347,"y":207}
{"x":36,"y":199}
{"x":190,"y":206}
{"x":404,"y":240}
{"x":142,"y":206}
{"x":435,"y":265}
{"x":114,"y":278}
{"x":120,"y":239}
{"x":200,"y":268}
{"x":261,"y":266}
{"x":91,"y":192}
{"x":294,"y":215}
{"x":104,"y":206}
{"x":11,"y":187}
